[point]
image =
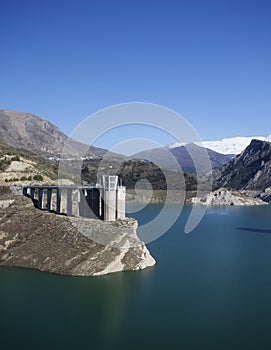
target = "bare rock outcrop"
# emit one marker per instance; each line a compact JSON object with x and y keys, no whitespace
{"x":224,"y":196}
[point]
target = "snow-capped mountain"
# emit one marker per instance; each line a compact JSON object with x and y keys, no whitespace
{"x":232,"y":145}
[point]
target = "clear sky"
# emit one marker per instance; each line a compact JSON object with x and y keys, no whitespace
{"x":208,"y":60}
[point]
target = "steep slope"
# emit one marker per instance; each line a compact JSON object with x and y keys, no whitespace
{"x":185,"y":156}
{"x":30,"y":132}
{"x":251,"y":170}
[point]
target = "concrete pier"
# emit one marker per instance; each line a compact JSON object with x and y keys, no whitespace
{"x":49,"y":199}
{"x":32,"y":193}
{"x":40,"y":197}
{"x":69,"y":202}
{"x":58,"y":200}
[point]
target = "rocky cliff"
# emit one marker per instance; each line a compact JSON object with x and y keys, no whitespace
{"x":36,"y":239}
{"x":251,"y":170}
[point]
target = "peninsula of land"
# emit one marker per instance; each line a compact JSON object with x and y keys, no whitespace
{"x":32,"y":238}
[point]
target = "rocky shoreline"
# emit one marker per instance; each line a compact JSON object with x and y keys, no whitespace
{"x":224,"y":196}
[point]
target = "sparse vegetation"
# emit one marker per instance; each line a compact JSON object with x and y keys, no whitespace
{"x":43,"y":167}
{"x":132,"y":171}
{"x":4,"y":190}
{"x":4,"y":163}
{"x":13,"y":179}
{"x":38,"y":177}
{"x":15,"y":159}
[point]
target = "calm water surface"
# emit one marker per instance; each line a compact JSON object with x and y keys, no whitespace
{"x":210,"y":289}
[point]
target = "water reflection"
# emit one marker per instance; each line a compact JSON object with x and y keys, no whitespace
{"x":117,"y":294}
{"x":76,"y":312}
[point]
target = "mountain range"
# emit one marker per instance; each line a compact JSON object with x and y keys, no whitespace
{"x":30,"y":132}
{"x":185,"y":157}
{"x":248,"y":171}
{"x":231,"y":145}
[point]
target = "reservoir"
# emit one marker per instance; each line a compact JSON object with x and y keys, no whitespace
{"x":210,"y":289}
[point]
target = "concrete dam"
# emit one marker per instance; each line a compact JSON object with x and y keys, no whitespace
{"x":104,"y":202}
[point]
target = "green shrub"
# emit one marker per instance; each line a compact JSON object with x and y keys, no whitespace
{"x":38,"y":177}
{"x":15,"y":158}
{"x":4,"y":163}
{"x":14,"y":179}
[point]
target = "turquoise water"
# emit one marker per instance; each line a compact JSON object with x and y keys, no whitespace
{"x":210,"y":289}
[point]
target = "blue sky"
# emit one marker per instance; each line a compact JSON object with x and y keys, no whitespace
{"x":207,"y":60}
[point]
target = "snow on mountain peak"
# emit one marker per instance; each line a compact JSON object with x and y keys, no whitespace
{"x":232,"y":145}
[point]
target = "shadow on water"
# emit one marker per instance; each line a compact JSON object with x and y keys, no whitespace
{"x":257,"y":230}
